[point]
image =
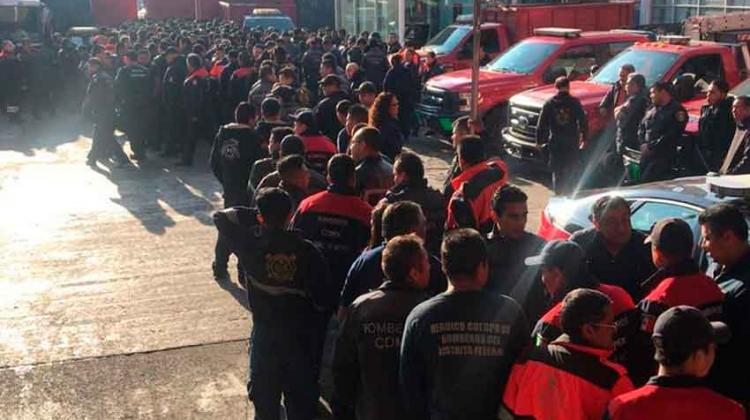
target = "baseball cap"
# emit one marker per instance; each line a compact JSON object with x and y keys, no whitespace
{"x":331,"y":79}
{"x":558,"y":253}
{"x":366,"y":87}
{"x":681,"y":330}
{"x":305,"y":116}
{"x":672,"y":235}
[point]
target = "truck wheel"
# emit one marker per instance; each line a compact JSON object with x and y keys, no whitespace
{"x":494,"y":122}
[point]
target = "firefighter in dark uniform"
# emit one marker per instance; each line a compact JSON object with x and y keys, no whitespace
{"x":411,"y":185}
{"x":685,"y":343}
{"x":716,"y":125}
{"x":659,"y":134}
{"x":338,"y":222}
{"x":563,"y":127}
{"x":287,"y":287}
{"x":366,"y":357}
{"x":235,"y":148}
{"x":195,"y":94}
{"x":374,"y":173}
{"x":677,"y":281}
{"x":458,"y":347}
{"x":99,"y":108}
{"x":325,"y":111}
{"x":628,"y":117}
{"x":174,"y":79}
{"x":133,"y":93}
{"x":617,"y":93}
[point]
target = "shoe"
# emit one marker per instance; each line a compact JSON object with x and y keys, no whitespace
{"x":220,"y":274}
{"x":91,"y":162}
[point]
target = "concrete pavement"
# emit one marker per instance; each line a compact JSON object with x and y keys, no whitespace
{"x":109,"y":309}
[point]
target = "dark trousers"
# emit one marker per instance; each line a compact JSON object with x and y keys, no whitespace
{"x":190,"y":140}
{"x":221,"y":250}
{"x":655,"y":169}
{"x":136,"y":128}
{"x":281,"y":366}
{"x":104,"y":145}
{"x":176,"y":129}
{"x":565,"y":173}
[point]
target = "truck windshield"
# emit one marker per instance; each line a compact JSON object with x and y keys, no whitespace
{"x":523,"y":57}
{"x":653,"y":65}
{"x":447,"y":39}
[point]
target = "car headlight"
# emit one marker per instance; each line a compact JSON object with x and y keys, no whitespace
{"x":464,"y":102}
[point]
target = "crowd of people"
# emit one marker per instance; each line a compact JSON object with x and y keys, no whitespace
{"x":649,"y":122}
{"x":443,"y":305}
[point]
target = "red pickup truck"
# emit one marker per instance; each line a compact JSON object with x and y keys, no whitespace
{"x":504,"y":26}
{"x":661,"y":60}
{"x":532,"y":62}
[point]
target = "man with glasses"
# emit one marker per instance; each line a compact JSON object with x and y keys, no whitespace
{"x":576,"y":363}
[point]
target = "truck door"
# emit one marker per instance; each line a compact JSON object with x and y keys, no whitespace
{"x":692,"y":78}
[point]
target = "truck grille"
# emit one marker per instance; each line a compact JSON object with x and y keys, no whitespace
{"x":439,"y":100}
{"x":523,"y":122}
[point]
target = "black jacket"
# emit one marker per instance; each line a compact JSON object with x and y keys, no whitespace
{"x":730,"y":374}
{"x":99,"y":104}
{"x":374,"y":178}
{"x":172,"y":85}
{"x":428,"y":72}
{"x":433,"y":206}
{"x":661,"y":129}
{"x":365,"y":361}
{"x":610,"y":101}
{"x":740,"y":163}
{"x":235,"y":148}
{"x":393,"y":138}
{"x":628,"y":269}
{"x":628,"y":120}
{"x":715,"y":132}
{"x":325,"y":114}
{"x":561,"y":123}
{"x":338,"y":222}
{"x":510,"y":276}
{"x":288,"y":282}
{"x":133,"y":89}
{"x":401,"y":82}
{"x":375,"y":65}
{"x":457,"y":352}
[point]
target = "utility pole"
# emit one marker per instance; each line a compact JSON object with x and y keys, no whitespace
{"x":475,"y":61}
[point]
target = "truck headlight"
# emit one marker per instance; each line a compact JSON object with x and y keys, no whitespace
{"x":464,"y":102}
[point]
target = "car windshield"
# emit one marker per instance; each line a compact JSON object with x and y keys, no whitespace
{"x":280,"y":23}
{"x":447,"y":39}
{"x":524,"y":57}
{"x":653,"y":65}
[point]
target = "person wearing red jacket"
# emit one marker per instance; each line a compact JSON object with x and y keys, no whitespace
{"x":470,"y":206}
{"x":318,"y":148}
{"x":571,"y":378}
{"x":685,"y":343}
{"x":677,"y":281}
{"x":564,"y":268}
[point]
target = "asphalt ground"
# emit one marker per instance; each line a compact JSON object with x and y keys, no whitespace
{"x":108,"y":308}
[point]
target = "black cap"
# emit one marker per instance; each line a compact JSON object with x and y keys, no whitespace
{"x":681,"y":330}
{"x":306,"y":117}
{"x":566,"y":255}
{"x":331,"y":79}
{"x":672,"y":236}
{"x":366,"y":87}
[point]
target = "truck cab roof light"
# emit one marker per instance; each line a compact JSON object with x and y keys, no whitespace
{"x":266,"y":12}
{"x":561,"y":32}
{"x":730,"y":185}
{"x":465,"y":19}
{"x":675,"y":39}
